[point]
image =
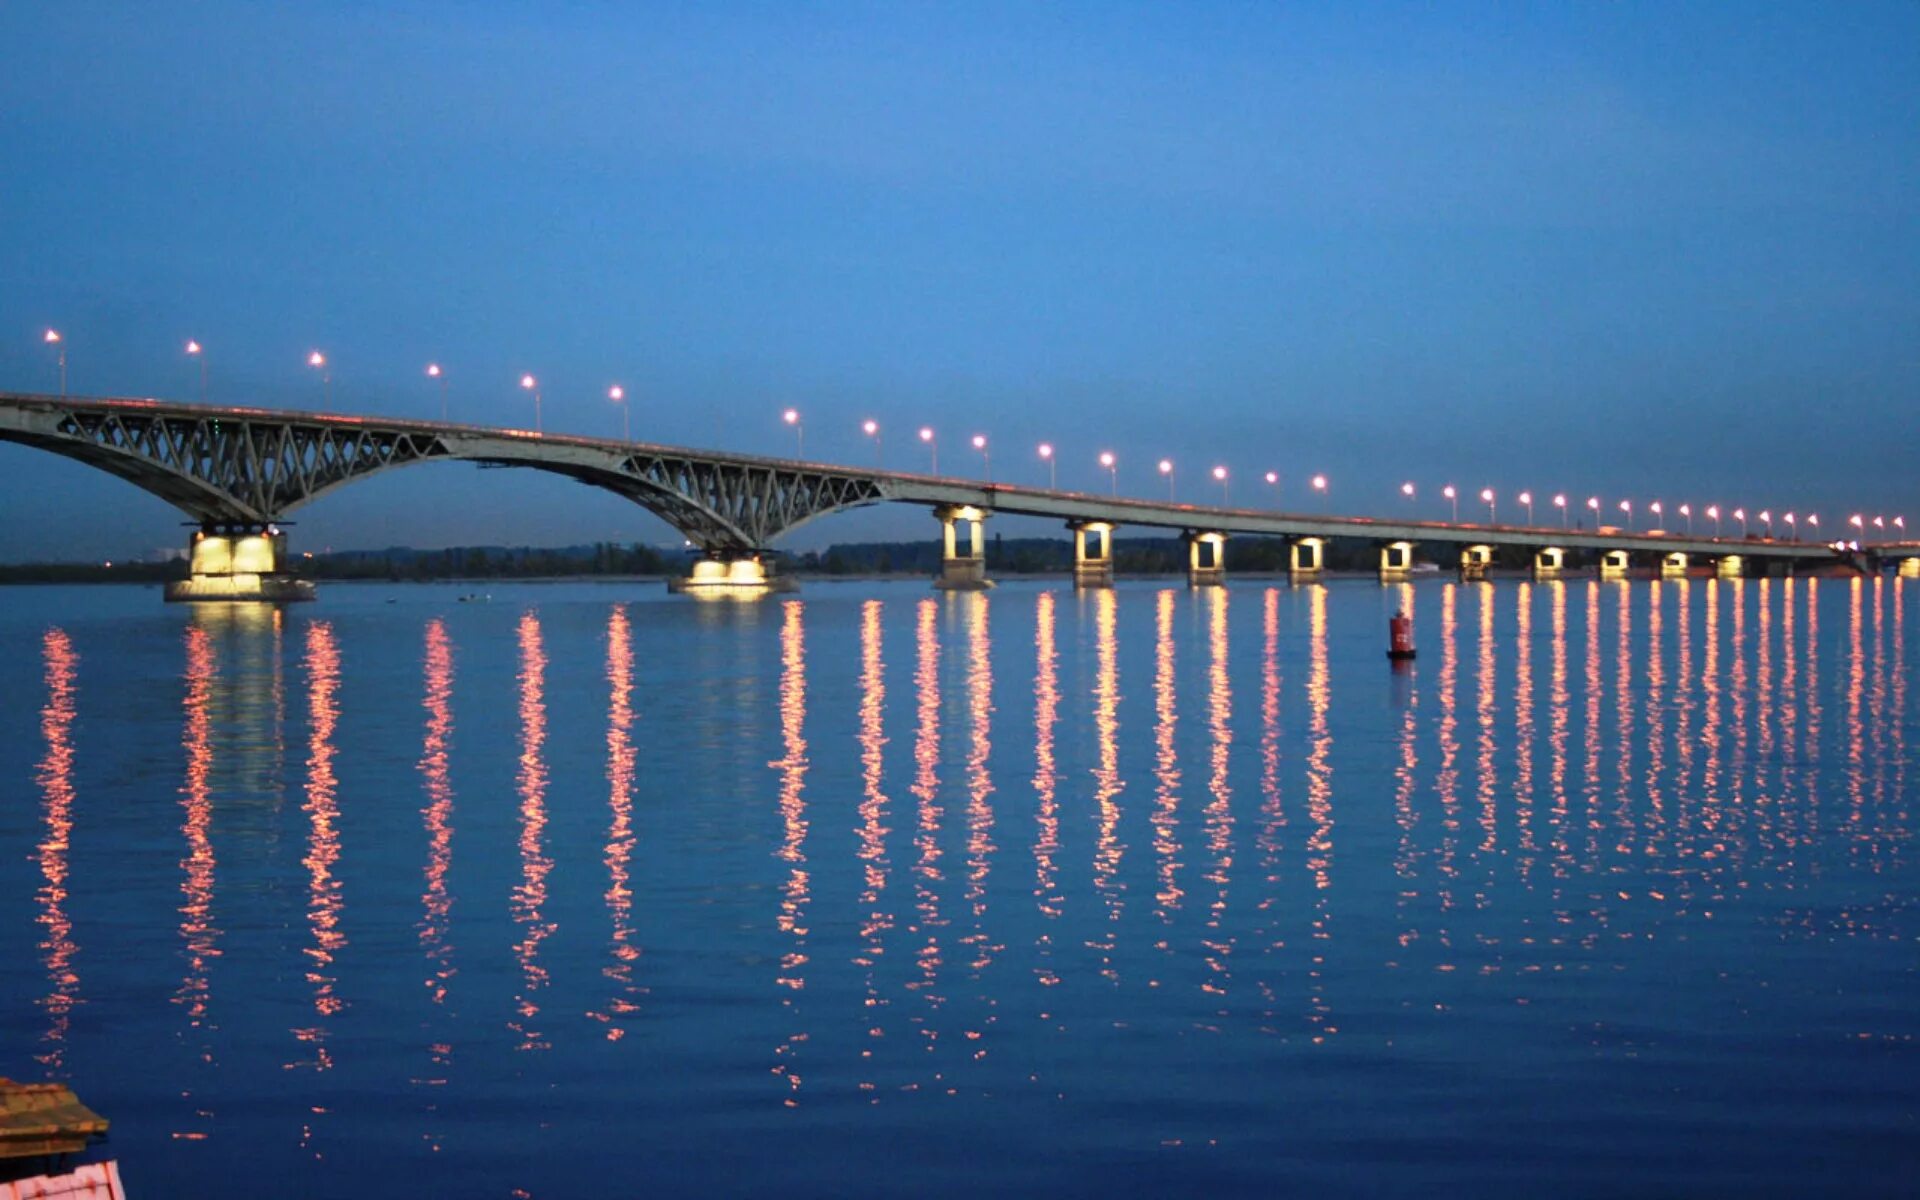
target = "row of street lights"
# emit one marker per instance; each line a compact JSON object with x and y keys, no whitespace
{"x":1107,"y":460}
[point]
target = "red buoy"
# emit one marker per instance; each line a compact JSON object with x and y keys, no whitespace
{"x":1400,"y":637}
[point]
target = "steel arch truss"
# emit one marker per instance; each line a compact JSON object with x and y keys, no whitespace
{"x":742,"y":506}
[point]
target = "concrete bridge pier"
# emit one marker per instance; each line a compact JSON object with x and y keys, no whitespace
{"x":1673,"y":566}
{"x":1396,"y":561}
{"x":1731,"y":566}
{"x":1475,"y":562}
{"x":1308,"y":559}
{"x":238,"y":561}
{"x":1615,"y":564}
{"x":739,"y":575}
{"x":961,"y":572}
{"x":1910,"y":568}
{"x":1092,"y":565}
{"x":1206,"y":559}
{"x":1549,"y":562}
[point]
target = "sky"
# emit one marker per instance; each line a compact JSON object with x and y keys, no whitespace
{"x":1648,"y":251}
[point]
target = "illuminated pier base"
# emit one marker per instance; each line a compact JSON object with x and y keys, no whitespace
{"x":1910,"y":568}
{"x":1731,"y":567}
{"x":743,"y":578}
{"x":1673,"y":566}
{"x":1615,"y":564}
{"x":236,"y":562}
{"x":1309,"y":559}
{"x":1396,"y":561}
{"x":1206,"y":559}
{"x":1092,"y":564}
{"x":1475,"y":561}
{"x":961,"y":572}
{"x":1549,"y":562}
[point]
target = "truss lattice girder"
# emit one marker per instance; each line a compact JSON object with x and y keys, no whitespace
{"x":257,"y":466}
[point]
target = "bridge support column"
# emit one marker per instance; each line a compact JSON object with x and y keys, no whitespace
{"x":1674,"y":565}
{"x":961,"y":572}
{"x":738,"y":575}
{"x":1475,"y":561}
{"x":1910,"y":568}
{"x":1549,"y":562}
{"x":1309,"y":559}
{"x":1733,"y":566}
{"x":1092,"y":565}
{"x":238,"y":562}
{"x":1615,"y":564}
{"x":1206,"y":559}
{"x":1396,"y":561}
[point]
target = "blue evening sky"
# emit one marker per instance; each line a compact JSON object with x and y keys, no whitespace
{"x":1650,"y":250}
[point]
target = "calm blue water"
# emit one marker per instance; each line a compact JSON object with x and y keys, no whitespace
{"x":591,"y":891}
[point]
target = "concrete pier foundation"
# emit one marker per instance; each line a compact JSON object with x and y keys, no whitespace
{"x":1673,"y":566}
{"x":1615,"y":564}
{"x":739,"y":577}
{"x":961,"y":571}
{"x":1730,"y":567}
{"x":1475,"y":562}
{"x":1206,"y":559}
{"x":1308,"y":559}
{"x":1549,"y":562}
{"x":1092,"y":554}
{"x":1910,"y":568}
{"x":238,"y":562}
{"x":1396,"y":561}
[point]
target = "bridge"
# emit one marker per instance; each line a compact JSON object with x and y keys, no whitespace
{"x":240,"y":472}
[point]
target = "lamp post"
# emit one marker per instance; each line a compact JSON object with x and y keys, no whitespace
{"x":1858,"y":524}
{"x":618,"y":395}
{"x":438,"y":376}
{"x":54,"y":339}
{"x":1220,"y":476}
{"x":1526,"y":498}
{"x":1686,"y":510}
{"x":933,"y":450}
{"x":532,"y":385}
{"x":1654,"y":508}
{"x":1793,"y":529}
{"x":1453,"y":498}
{"x":1766,"y":518}
{"x":1053,"y":468}
{"x":1900,"y":523}
{"x":1560,"y":502}
{"x":1113,"y":472}
{"x":318,"y":362}
{"x":1273,"y":481}
{"x":1813,"y":521}
{"x":1486,"y":496}
{"x":986,"y":460}
{"x":1320,"y":485}
{"x":792,"y":417}
{"x":1406,"y":489}
{"x":1626,"y":506}
{"x":871,"y":428}
{"x":1713,"y":514}
{"x":1740,"y":515}
{"x":1166,"y":469}
{"x":196,"y":350}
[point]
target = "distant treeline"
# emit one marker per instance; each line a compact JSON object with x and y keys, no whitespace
{"x":1005,"y":556}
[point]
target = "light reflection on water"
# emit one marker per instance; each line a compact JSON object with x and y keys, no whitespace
{"x":1601,"y":836}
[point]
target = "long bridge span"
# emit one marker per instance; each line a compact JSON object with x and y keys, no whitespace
{"x":240,"y":472}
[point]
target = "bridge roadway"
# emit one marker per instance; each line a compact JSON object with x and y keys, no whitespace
{"x":238,"y":468}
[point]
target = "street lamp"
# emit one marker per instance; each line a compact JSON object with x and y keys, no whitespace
{"x":1406,"y":489}
{"x":933,"y":450}
{"x":1453,"y":498}
{"x":618,"y":395}
{"x":1788,"y":518}
{"x":1053,"y":468}
{"x":195,"y":350}
{"x":1900,"y":523}
{"x":792,"y":417}
{"x":1654,"y":508}
{"x":1813,"y":520}
{"x":871,"y":428}
{"x":318,"y":362}
{"x":1320,"y":485}
{"x":1626,"y":506}
{"x":1526,"y":498}
{"x":1560,"y":502}
{"x":1113,"y":472}
{"x":528,"y":382}
{"x":1686,"y":510}
{"x":435,"y":373}
{"x":1273,"y":481}
{"x":1740,"y":515}
{"x":1857,"y":523}
{"x":1713,"y":514}
{"x":54,"y":339}
{"x":1486,"y":497}
{"x":1166,"y":468}
{"x":1593,"y":502}
{"x":986,"y":461}
{"x":1220,"y":474}
{"x":1766,"y":516}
